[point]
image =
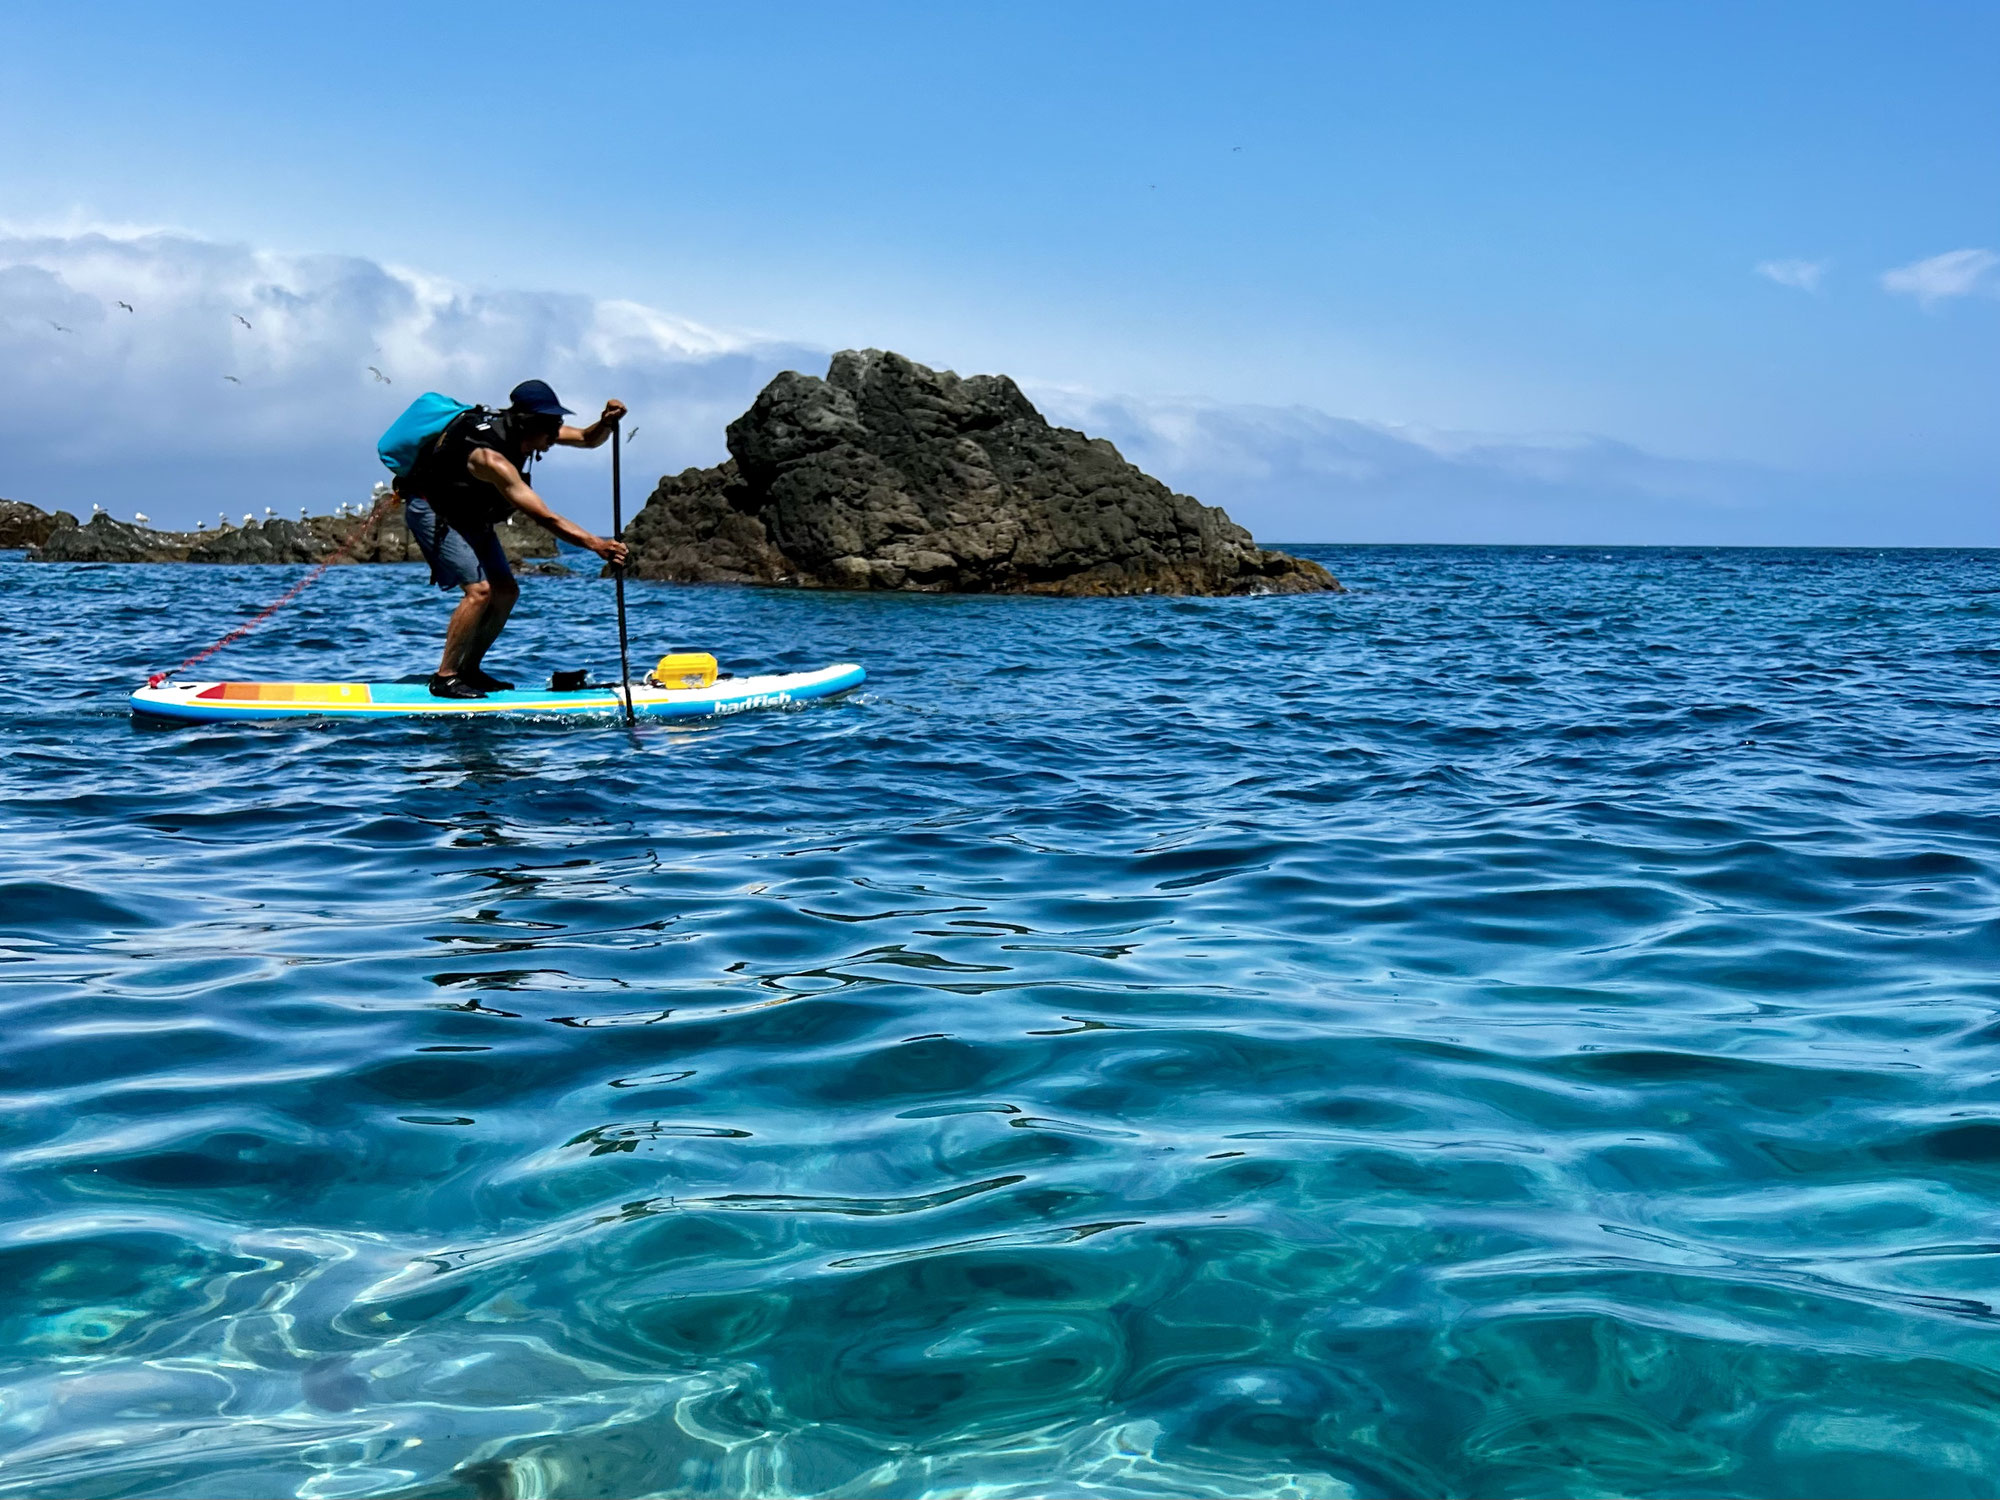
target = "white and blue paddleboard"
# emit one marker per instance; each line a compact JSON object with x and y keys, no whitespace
{"x":208,"y":702}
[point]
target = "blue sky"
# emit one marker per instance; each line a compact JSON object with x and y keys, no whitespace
{"x":1458,"y":271}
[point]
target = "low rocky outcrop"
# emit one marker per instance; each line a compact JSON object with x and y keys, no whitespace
{"x":888,"y":475}
{"x":312,"y":540}
{"x":106,"y":540}
{"x":23,"y":525}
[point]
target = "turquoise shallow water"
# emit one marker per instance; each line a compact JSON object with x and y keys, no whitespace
{"x":1525,"y":1027}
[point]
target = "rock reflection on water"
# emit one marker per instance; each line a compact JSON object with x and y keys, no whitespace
{"x":1519,"y":1028}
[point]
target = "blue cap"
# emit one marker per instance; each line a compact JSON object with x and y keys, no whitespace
{"x":535,"y":396}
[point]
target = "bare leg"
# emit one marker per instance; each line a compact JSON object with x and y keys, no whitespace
{"x":499,"y":605}
{"x":464,"y":631}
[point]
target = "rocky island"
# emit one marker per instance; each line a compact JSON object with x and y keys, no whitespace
{"x":882,"y":475}
{"x":59,"y":538}
{"x":23,"y":525}
{"x":888,"y":475}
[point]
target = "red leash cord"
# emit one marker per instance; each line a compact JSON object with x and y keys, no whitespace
{"x":283,"y":599}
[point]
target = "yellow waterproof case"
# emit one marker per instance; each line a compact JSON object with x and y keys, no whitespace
{"x":683,"y":669}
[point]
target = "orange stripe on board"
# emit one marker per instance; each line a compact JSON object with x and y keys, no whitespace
{"x":329,"y":693}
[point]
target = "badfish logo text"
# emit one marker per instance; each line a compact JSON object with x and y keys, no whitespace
{"x":761,"y":700}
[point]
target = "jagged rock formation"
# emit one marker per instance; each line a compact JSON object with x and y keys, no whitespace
{"x":312,"y":540}
{"x":23,"y":525}
{"x":888,"y":475}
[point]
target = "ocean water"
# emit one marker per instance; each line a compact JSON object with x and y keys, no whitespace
{"x":1526,"y":1027}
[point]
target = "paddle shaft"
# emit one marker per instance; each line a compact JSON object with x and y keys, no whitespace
{"x":618,"y":579}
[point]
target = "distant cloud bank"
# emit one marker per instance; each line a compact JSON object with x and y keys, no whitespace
{"x":1291,"y":473}
{"x":239,"y":377}
{"x":1956,"y":273}
{"x":176,"y":375}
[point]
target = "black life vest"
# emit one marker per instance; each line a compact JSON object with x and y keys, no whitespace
{"x":440,"y":474}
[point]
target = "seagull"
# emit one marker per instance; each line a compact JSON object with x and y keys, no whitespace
{"x":96,"y":509}
{"x":141,"y":517}
{"x":246,"y":518}
{"x":1235,"y":148}
{"x":380,"y":376}
{"x":632,"y":434}
{"x":59,"y":328}
{"x":232,"y":380}
{"x":201,"y":526}
{"x":126,"y":305}
{"x":241,"y":319}
{"x":302,"y":512}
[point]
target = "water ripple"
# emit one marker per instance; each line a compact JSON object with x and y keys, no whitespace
{"x":1525,"y":1026}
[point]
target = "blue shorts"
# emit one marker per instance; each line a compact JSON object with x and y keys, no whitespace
{"x":457,"y":558}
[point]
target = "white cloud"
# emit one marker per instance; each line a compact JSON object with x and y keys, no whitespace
{"x":1956,"y":273}
{"x":1804,"y":275}
{"x":131,"y":409}
{"x":1291,"y":473}
{"x":139,"y":408}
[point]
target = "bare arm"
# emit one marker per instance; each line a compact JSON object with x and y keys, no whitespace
{"x":497,"y":471}
{"x":596,"y":432}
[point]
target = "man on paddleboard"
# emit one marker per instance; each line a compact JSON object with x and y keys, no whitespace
{"x":474,"y":476}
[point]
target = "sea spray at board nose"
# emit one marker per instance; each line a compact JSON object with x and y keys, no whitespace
{"x":1394,"y":1043}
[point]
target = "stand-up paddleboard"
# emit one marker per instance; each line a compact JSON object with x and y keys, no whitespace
{"x":206,"y":702}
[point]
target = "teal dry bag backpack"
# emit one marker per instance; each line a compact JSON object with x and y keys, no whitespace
{"x":423,"y":419}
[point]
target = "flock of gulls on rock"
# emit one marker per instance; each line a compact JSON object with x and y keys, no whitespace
{"x":140,"y":518}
